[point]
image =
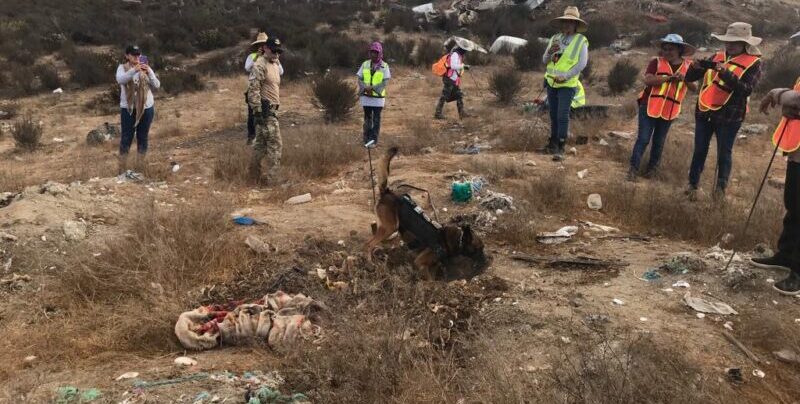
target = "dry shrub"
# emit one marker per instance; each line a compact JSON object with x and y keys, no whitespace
{"x":90,"y":68}
{"x":170,"y":129}
{"x":48,"y":77}
{"x":295,"y":65}
{"x":335,"y":95}
{"x":105,"y":102}
{"x":129,"y":297}
{"x":318,"y":151}
{"x":232,"y":162}
{"x":622,"y":76}
{"x":27,"y":134}
{"x":398,"y":18}
{"x":428,"y":52}
{"x":506,"y":85}
{"x":398,"y":52}
{"x":495,"y":168}
{"x":784,"y":68}
{"x":529,"y":57}
{"x":419,"y":133}
{"x":693,"y":30}
{"x":223,"y":64}
{"x":177,"y":81}
{"x":602,"y":32}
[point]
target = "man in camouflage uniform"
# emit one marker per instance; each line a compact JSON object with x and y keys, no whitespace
{"x":263,"y":96}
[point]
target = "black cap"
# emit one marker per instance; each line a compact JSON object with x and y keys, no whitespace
{"x":133,"y":50}
{"x":274,"y":44}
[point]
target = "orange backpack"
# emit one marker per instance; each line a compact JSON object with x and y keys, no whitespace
{"x":441,"y":67}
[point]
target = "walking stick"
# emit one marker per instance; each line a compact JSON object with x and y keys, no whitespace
{"x":758,"y":194}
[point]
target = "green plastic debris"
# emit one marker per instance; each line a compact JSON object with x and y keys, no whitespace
{"x":72,"y":394}
{"x":265,"y":395}
{"x":461,"y":192}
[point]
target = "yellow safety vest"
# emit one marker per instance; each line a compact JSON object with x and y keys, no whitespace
{"x":568,"y":59}
{"x":373,"y":80}
{"x":579,"y":99}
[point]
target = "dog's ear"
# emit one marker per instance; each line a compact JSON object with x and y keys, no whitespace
{"x":470,"y":242}
{"x":466,"y":235}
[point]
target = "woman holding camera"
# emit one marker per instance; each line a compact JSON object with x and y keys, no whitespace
{"x":136,"y":81}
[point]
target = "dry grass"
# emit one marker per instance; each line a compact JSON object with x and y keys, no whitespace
{"x":495,"y":168}
{"x":27,"y":134}
{"x":231,"y":162}
{"x":419,"y":134}
{"x":318,"y":151}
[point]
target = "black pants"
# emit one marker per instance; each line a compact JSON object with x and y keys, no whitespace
{"x":789,"y":243}
{"x":251,"y":124}
{"x":372,"y":123}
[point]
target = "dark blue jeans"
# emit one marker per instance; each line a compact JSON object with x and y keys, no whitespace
{"x":372,"y":123}
{"x":559,"y":101}
{"x":704,"y":129}
{"x":140,"y":131}
{"x":649,"y":128}
{"x":789,"y":243}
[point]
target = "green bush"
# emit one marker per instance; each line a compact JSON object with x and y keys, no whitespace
{"x":506,"y":85}
{"x":335,"y":95}
{"x":180,"y":81}
{"x":48,"y":77}
{"x":91,"y":69}
{"x":782,"y":69}
{"x":27,"y":134}
{"x":397,"y":52}
{"x":338,"y":51}
{"x":529,"y":57}
{"x":223,"y":64}
{"x":622,"y":76}
{"x":295,"y":65}
{"x":428,"y":52}
{"x":399,"y":18}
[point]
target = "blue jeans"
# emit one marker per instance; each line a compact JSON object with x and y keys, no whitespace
{"x":649,"y":128}
{"x":140,"y":131}
{"x":559,"y":101}
{"x":726,"y":135}
{"x":372,"y":123}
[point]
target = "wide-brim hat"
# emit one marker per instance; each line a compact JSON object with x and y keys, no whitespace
{"x":261,"y":39}
{"x":675,"y":39}
{"x":571,"y":13}
{"x":741,"y":32}
{"x":463,"y":43}
{"x":274,"y":44}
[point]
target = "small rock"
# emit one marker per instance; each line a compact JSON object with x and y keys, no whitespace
{"x":258,"y":245}
{"x":701,"y":315}
{"x":128,"y":375}
{"x":299,"y":199}
{"x":565,"y":340}
{"x":595,"y":202}
{"x":788,"y":356}
{"x":58,"y":91}
{"x":759,"y":373}
{"x":58,"y":140}
{"x":426,"y":150}
{"x":603,"y":142}
{"x":184,"y":361}
{"x":573,"y":151}
{"x":620,"y":134}
{"x":583,"y":173}
{"x":30,"y":358}
{"x":618,"y":302}
{"x":340,"y":243}
{"x":643,"y":319}
{"x":728,"y":325}
{"x":530,"y":163}
{"x":176,"y":168}
{"x":74,"y":230}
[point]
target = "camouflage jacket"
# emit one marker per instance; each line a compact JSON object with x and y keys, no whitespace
{"x":264,"y":83}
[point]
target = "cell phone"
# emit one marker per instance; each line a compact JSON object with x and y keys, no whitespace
{"x":707,"y":64}
{"x":143,"y":59}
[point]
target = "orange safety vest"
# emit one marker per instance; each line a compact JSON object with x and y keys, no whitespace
{"x":787,"y":134}
{"x":665,"y":101}
{"x":713,"y":95}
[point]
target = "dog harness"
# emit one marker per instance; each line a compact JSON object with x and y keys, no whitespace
{"x":426,"y":231}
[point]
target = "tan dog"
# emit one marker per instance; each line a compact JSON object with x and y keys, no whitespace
{"x":433,"y":244}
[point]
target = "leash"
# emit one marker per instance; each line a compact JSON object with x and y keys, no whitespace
{"x":758,"y":194}
{"x":371,"y":172}
{"x":528,"y":138}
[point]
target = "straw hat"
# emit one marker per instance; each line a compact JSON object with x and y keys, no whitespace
{"x":675,"y":39}
{"x":571,"y":13}
{"x":741,"y":32}
{"x":260,"y":39}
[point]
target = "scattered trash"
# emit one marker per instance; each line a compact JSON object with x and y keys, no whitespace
{"x":573,"y":151}
{"x":176,"y":167}
{"x":770,"y":280}
{"x":71,"y":394}
{"x":620,"y":135}
{"x":643,"y":319}
{"x":595,"y":202}
{"x":58,"y":91}
{"x":618,"y":302}
{"x":681,"y":284}
{"x":701,"y":316}
{"x":683,"y":263}
{"x":559,"y":236}
{"x":651,"y":275}
{"x":788,"y":356}
{"x":128,"y":375}
{"x":15,"y":280}
{"x":131,"y":175}
{"x":667,"y":290}
{"x":566,"y":340}
{"x":74,"y":230}
{"x":141,"y":384}
{"x":602,"y":142}
{"x":762,"y":251}
{"x":496,"y":200}
{"x":461,"y":192}
{"x":754,"y":129}
{"x":184,"y":361}
{"x":266,"y":395}
{"x":717,"y":253}
{"x":257,"y":245}
{"x":735,"y":375}
{"x":102,"y":134}
{"x":599,"y":227}
{"x":728,"y":325}
{"x":30,"y":358}
{"x":759,"y":373}
{"x":704,"y":306}
{"x":620,"y":45}
{"x":246,"y":221}
{"x":58,"y":140}
{"x":530,"y":163}
{"x":299,"y":199}
{"x":478,"y":183}
{"x":203,"y":395}
{"x":505,"y":43}
{"x":583,"y":173}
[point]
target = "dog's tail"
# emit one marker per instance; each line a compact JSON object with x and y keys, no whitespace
{"x":383,"y":169}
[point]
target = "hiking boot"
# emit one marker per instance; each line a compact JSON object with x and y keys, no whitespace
{"x":558,"y":154}
{"x":789,"y":286}
{"x":550,"y":148}
{"x":774,"y":262}
{"x":631,"y":176}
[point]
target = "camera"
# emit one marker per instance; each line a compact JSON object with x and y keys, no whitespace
{"x":143,"y":59}
{"x":707,"y":64}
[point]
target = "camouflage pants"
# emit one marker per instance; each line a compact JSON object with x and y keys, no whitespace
{"x":450,"y":92}
{"x":267,"y":144}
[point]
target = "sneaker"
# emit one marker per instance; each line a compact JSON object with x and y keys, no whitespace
{"x":774,"y":262}
{"x":558,"y":155}
{"x":789,"y":286}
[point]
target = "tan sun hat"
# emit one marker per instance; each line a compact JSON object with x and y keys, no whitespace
{"x":741,"y":32}
{"x":571,"y":13}
{"x":261,"y":39}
